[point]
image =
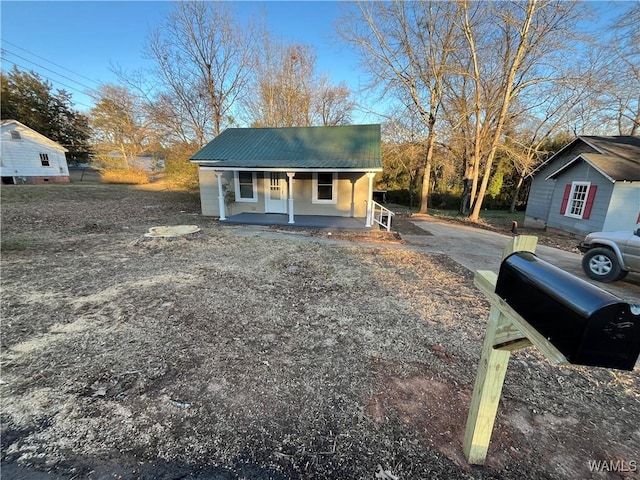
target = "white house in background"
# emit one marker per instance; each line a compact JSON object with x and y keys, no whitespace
{"x":29,"y":157}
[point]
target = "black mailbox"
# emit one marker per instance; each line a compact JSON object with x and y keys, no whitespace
{"x":588,"y":325}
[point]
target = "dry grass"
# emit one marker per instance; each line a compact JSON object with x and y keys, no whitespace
{"x":128,"y":176}
{"x":238,"y":355}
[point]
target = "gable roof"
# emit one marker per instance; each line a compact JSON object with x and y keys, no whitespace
{"x":617,"y":158}
{"x":30,"y":132}
{"x":348,"y":147}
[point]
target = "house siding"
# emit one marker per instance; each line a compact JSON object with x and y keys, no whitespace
{"x":581,"y":172}
{"x":539,"y":201}
{"x":542,"y":191}
{"x":624,"y":207}
{"x":208,"y":192}
{"x":20,"y":158}
{"x":302,"y":194}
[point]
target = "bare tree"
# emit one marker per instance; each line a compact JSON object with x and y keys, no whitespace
{"x":121,"y":130}
{"x":203,"y":60}
{"x":619,"y":93}
{"x":403,"y":150}
{"x":288,"y":91}
{"x":510,"y":46}
{"x":545,"y":111}
{"x":407,"y":48}
{"x":283,"y":80}
{"x":331,"y":105}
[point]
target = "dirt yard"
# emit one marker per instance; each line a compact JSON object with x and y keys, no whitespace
{"x":236,"y":355}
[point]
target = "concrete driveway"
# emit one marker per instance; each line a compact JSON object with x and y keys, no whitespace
{"x":478,"y":249}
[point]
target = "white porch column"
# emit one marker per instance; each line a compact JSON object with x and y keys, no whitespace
{"x":369,"y":221}
{"x":353,"y":198}
{"x":290,"y":183}
{"x":220,"y":196}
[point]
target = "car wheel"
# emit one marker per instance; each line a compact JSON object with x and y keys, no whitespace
{"x":601,"y":264}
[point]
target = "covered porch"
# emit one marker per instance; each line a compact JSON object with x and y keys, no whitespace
{"x":297,"y":176}
{"x":301,"y":221}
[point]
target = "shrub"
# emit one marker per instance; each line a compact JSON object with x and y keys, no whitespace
{"x":444,"y":201}
{"x":128,"y":176}
{"x":402,"y":197}
{"x":181,"y":174}
{"x":501,"y":201}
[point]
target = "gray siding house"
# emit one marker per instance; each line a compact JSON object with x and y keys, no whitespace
{"x":592,"y":184}
{"x":285,"y":172}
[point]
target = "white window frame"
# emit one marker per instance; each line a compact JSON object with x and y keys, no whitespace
{"x":15,"y":135}
{"x":572,"y":199}
{"x":334,"y":189}
{"x":44,"y":157}
{"x":236,"y":184}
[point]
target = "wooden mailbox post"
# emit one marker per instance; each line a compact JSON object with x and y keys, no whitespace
{"x":567,"y":319}
{"x":506,"y":331}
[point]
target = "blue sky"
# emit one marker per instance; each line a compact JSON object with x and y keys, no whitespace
{"x":84,"y":38}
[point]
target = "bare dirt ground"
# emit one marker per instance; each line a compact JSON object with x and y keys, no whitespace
{"x":227,"y":357}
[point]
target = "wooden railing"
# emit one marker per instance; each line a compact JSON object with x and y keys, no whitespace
{"x":381,"y":215}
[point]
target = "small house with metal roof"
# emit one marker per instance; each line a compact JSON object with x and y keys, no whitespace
{"x":592,"y":184}
{"x":280,"y":175}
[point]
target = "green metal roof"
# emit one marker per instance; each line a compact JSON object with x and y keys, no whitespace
{"x":342,"y":147}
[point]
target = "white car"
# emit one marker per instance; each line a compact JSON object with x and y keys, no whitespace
{"x":609,"y":256}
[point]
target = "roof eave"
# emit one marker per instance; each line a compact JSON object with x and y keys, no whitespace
{"x":571,"y":162}
{"x":45,"y":139}
{"x":552,"y":157}
{"x":210,"y":166}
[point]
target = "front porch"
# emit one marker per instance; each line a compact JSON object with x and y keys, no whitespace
{"x":302,"y":221}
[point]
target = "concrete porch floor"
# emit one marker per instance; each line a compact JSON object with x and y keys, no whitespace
{"x":305,"y":221}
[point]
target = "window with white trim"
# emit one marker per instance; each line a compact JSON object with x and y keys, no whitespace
{"x":44,"y":159}
{"x":325,"y":187}
{"x":15,"y":135}
{"x":246,"y":186}
{"x":577,"y":199}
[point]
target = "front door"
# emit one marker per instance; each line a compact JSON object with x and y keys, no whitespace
{"x":276,"y":194}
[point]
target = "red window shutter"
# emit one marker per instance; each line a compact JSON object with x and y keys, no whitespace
{"x":590,"y":196}
{"x":565,"y":199}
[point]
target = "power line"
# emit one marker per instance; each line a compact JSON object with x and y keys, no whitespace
{"x":56,"y":81}
{"x":5,"y":51}
{"x":49,"y":61}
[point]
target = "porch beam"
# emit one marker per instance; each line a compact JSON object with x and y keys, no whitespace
{"x":290,"y":176}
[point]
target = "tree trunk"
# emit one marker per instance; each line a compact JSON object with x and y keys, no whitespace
{"x":466,"y":197}
{"x":424,"y":203}
{"x":477,"y":205}
{"x":412,"y":184}
{"x":512,"y":208}
{"x":426,"y":179}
